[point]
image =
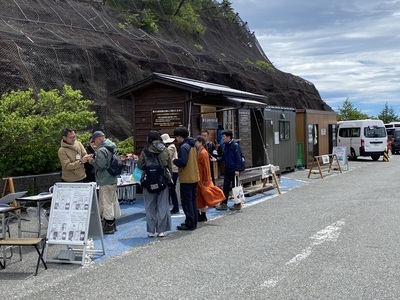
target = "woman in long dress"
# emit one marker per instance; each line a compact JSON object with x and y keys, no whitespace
{"x":207,"y":193}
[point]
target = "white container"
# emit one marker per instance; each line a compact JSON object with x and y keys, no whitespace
{"x":126,"y":178}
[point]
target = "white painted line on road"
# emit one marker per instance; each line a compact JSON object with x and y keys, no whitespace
{"x":328,"y":234}
{"x":272,"y":282}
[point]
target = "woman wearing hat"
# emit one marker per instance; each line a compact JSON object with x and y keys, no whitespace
{"x":173,"y":154}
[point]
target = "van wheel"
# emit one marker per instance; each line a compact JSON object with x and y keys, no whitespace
{"x":353,"y":155}
{"x":375,"y":157}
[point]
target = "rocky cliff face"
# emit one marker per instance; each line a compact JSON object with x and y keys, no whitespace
{"x":45,"y":44}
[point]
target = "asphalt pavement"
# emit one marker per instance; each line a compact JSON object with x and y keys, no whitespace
{"x":331,"y":238}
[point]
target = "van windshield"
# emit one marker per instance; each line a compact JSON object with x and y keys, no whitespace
{"x":396,"y":134}
{"x":375,"y":131}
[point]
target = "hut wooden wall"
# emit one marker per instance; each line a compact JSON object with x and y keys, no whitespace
{"x":157,"y":96}
{"x":323,"y":119}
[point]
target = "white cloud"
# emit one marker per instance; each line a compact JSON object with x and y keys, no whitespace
{"x":346,"y":48}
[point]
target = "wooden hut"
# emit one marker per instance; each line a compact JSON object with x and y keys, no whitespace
{"x":316,"y":134}
{"x":163,"y":102}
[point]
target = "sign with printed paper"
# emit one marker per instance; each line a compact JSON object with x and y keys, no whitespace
{"x":341,"y":154}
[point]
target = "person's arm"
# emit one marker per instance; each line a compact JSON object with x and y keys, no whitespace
{"x":204,"y":167}
{"x":183,"y":155}
{"x":66,"y":163}
{"x":141,"y":162}
{"x":82,"y":149}
{"x":101,"y":160}
{"x":237,"y":159}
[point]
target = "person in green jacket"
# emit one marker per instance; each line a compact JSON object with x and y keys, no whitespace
{"x":108,"y":200}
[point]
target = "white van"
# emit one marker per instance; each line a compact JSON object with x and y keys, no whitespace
{"x":362,"y":138}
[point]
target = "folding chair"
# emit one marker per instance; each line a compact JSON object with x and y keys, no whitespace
{"x":5,"y":222}
{"x":19,"y":242}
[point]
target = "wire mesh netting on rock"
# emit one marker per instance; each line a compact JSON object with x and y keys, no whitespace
{"x":45,"y":44}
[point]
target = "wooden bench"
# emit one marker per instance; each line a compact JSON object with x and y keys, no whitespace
{"x":20,"y":242}
{"x":254,"y":181}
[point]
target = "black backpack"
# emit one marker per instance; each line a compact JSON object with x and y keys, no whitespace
{"x":154,"y":179}
{"x":116,"y":166}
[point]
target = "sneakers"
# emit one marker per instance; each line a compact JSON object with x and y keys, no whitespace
{"x":221,"y":206}
{"x":237,"y":206}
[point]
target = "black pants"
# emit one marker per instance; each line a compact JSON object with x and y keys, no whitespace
{"x":172,"y":193}
{"x":189,"y":203}
{"x":229,"y":180}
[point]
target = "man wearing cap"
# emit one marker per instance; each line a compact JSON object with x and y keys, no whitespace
{"x":109,"y":206}
{"x":173,"y":154}
{"x":72,"y":157}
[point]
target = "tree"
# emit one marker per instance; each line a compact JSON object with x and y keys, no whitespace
{"x":388,"y":114}
{"x":349,"y":112}
{"x":30,"y":128}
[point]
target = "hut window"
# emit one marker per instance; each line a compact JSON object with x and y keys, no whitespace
{"x":284,"y":130}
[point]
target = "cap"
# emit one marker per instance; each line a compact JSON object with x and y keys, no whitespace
{"x":96,"y":134}
{"x":166,"y":139}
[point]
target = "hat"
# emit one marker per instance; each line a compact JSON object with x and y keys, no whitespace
{"x":96,"y":134}
{"x":166,"y":139}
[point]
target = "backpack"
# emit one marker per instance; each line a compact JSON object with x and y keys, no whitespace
{"x":115,"y":167}
{"x":154,"y":179}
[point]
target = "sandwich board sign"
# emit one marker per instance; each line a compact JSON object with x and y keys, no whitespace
{"x":74,"y":218}
{"x":341,"y":154}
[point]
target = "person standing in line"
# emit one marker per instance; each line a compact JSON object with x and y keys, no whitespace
{"x":72,"y":155}
{"x":108,"y":201}
{"x":173,"y":154}
{"x":233,"y":161}
{"x":207,"y":193}
{"x":188,"y":177}
{"x":156,"y":204}
{"x":210,"y":147}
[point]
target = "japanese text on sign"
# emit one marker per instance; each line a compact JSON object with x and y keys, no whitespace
{"x":164,"y":118}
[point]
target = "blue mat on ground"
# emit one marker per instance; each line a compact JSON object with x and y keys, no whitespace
{"x":132,"y":224}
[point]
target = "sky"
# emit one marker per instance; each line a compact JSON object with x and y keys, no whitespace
{"x":349,"y":49}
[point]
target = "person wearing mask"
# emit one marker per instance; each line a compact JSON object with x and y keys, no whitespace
{"x":207,"y":193}
{"x":188,"y":177}
{"x":156,"y":204}
{"x":108,"y":201}
{"x":72,"y":157}
{"x":233,"y":161}
{"x":173,"y":154}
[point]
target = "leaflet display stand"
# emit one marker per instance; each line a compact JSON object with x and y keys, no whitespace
{"x":74,"y":218}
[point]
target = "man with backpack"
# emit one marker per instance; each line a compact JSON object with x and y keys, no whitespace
{"x":107,"y":182}
{"x":232,"y":157}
